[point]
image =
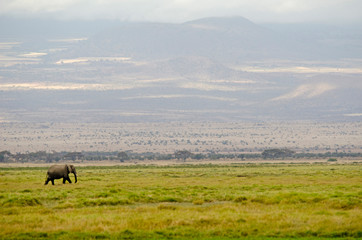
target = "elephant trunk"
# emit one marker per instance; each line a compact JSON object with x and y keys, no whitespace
{"x":75,"y":177}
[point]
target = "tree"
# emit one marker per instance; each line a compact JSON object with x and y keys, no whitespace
{"x":183,"y":154}
{"x":122,"y":156}
{"x":277,"y":153}
{"x":74,"y":156}
{"x":4,"y":155}
{"x":198,"y":156}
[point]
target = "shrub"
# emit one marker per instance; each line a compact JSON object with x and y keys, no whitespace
{"x":240,"y":199}
{"x":332,"y":160}
{"x":170,"y":199}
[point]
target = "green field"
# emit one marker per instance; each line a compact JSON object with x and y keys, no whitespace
{"x":252,"y":201}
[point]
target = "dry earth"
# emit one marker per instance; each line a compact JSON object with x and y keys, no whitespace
{"x":206,"y":137}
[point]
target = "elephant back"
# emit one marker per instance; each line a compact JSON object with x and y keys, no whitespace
{"x":57,"y":171}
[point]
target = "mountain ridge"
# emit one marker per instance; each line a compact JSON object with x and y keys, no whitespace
{"x":229,"y":39}
{"x":209,"y":69}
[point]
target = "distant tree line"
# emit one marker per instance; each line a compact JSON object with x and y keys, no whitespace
{"x":276,"y":153}
{"x":182,"y":155}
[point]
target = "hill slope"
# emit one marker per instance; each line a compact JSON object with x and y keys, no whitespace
{"x":213,"y":69}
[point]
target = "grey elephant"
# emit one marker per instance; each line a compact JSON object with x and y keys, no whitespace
{"x":60,"y":171}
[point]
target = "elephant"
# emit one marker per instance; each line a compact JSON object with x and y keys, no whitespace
{"x":60,"y":171}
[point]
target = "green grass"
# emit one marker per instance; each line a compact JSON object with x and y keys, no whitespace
{"x":249,"y":201}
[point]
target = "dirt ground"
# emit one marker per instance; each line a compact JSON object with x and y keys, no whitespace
{"x":240,"y":137}
{"x":187,"y":162}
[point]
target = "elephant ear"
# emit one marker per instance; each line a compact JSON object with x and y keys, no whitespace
{"x":69,"y":168}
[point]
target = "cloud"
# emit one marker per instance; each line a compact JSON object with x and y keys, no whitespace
{"x":306,"y":91}
{"x":63,"y":86}
{"x":211,"y":87}
{"x":174,"y":96}
{"x":184,"y":10}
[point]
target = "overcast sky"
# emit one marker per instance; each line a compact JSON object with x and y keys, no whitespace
{"x":325,"y":11}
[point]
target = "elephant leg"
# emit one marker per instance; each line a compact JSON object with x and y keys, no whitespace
{"x":68,"y":179}
{"x":64,"y":180}
{"x":52,"y":181}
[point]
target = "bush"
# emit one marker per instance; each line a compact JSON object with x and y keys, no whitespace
{"x":332,"y":160}
{"x":240,"y":199}
{"x":277,"y":153}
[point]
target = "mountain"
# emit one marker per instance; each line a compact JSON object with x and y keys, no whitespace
{"x":223,"y":39}
{"x":211,"y":69}
{"x":333,"y":41}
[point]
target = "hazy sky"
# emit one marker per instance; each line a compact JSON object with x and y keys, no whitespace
{"x":327,"y":11}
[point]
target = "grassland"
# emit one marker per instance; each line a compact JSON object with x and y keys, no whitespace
{"x":255,"y":201}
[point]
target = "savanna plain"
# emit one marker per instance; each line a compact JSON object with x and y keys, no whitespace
{"x":206,"y":201}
